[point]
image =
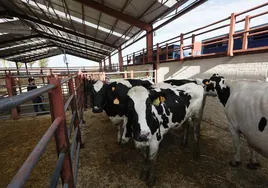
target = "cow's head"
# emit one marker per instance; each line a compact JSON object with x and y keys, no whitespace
{"x":98,"y":95}
{"x":216,"y":84}
{"x":140,"y":113}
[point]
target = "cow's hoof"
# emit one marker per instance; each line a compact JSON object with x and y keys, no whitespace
{"x":196,"y":154}
{"x":183,"y":145}
{"x":253,"y":166}
{"x":151,"y":181}
{"x":143,"y":175}
{"x":234,"y":164}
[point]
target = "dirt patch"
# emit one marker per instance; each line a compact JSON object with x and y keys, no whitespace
{"x":17,"y":140}
{"x":104,"y":163}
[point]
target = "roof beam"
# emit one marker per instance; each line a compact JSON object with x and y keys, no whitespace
{"x":119,"y":15}
{"x":20,"y":39}
{"x":25,"y":51}
{"x":37,"y":57}
{"x":80,"y":52}
{"x":22,"y":49}
{"x":81,"y":56}
{"x":32,"y":19}
{"x":73,"y":43}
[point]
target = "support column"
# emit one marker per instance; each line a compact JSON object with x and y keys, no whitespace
{"x":110,"y":63}
{"x":104,"y":65}
{"x":100,"y":65}
{"x":120,"y":59}
{"x":11,"y":92}
{"x":149,"y":45}
{"x":26,"y":68}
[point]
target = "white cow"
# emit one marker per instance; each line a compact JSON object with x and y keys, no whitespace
{"x":246,"y":108}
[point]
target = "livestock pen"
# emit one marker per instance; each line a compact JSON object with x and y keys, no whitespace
{"x":30,"y":131}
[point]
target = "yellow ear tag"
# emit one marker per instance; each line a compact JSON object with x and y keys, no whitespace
{"x":116,"y":101}
{"x":156,"y":102}
{"x":206,"y":83}
{"x":113,"y":88}
{"x":162,"y":99}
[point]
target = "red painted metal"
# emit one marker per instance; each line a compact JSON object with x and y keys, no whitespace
{"x":79,"y":109}
{"x":231,"y":35}
{"x":254,"y":8}
{"x":11,"y":92}
{"x":104,"y":65}
{"x":110,"y":63}
{"x":120,"y":59}
{"x":61,"y":135}
{"x":181,"y":47}
{"x":24,"y":172}
{"x":149,"y":45}
{"x":119,"y":15}
{"x":143,"y":56}
{"x":245,"y":35}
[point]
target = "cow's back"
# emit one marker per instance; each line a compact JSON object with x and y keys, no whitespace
{"x":247,"y":110}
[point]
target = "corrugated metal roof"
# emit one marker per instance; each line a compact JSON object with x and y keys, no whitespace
{"x":68,"y":25}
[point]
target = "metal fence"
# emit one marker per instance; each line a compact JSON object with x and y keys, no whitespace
{"x":67,"y":152}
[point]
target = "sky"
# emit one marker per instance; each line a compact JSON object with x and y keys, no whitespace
{"x":211,"y":11}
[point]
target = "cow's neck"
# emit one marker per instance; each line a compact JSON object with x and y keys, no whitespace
{"x":223,"y":94}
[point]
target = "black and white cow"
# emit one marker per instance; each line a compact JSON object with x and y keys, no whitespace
{"x":246,"y":108}
{"x":112,"y":99}
{"x":152,"y":113}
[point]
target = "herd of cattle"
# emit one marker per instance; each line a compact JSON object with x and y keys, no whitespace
{"x":145,"y":111}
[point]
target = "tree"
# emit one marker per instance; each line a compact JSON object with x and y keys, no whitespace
{"x":43,"y":63}
{"x":31,"y":63}
{"x":20,"y":65}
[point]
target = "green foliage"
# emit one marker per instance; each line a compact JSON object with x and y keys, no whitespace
{"x":43,"y":63}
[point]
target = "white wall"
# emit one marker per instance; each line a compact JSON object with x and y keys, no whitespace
{"x":251,"y":67}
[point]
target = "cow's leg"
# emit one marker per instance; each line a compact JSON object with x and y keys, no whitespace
{"x":253,"y":163}
{"x":236,"y":140}
{"x":119,"y":133}
{"x":196,"y":121}
{"x":145,"y":165}
{"x":153,"y":150}
{"x":125,"y":138}
{"x":184,"y":142}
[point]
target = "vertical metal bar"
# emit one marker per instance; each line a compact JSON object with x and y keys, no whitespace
{"x":110,"y":63}
{"x":78,"y":107}
{"x":231,"y":36}
{"x":10,"y":91}
{"x":166,"y":51}
{"x":133,"y":57}
{"x":56,"y":173}
{"x":125,"y":74}
{"x":73,"y":143}
{"x":104,"y":64}
{"x":120,"y":59}
{"x":76,"y":163}
{"x":245,"y":35}
{"x":181,"y":47}
{"x":143,"y":56}
{"x":127,"y":60}
{"x":131,"y":74}
{"x":149,"y":45}
{"x":61,"y":135}
{"x":193,"y":41}
{"x":26,"y":68}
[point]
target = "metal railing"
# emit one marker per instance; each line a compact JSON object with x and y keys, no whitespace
{"x":65,"y":165}
{"x":185,"y":46}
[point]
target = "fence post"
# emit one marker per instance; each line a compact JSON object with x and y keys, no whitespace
{"x":125,"y":74}
{"x":245,"y":35}
{"x":74,"y":109}
{"x":181,"y":47}
{"x":131,"y":74}
{"x":231,"y":36}
{"x":193,"y":46}
{"x":166,"y":51}
{"x":61,"y":135}
{"x":11,"y":92}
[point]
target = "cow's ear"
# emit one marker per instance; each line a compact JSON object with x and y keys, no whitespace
{"x":205,"y":81}
{"x":157,"y":97}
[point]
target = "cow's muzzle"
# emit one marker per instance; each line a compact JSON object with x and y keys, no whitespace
{"x":144,"y":137}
